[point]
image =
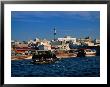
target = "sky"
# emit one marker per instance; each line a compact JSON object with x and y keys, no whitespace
{"x":26,"y":25}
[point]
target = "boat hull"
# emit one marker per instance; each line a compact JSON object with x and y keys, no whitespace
{"x":49,"y":61}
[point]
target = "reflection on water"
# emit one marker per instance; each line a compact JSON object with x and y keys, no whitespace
{"x":70,"y":67}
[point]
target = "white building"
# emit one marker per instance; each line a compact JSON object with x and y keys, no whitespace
{"x":97,"y":42}
{"x":89,"y":43}
{"x":30,"y":41}
{"x":17,"y":42}
{"x":37,"y":40}
{"x":67,"y":38}
{"x":44,"y":47}
{"x":12,"y":41}
{"x":60,"y":45}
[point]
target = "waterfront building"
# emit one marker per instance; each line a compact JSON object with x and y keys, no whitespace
{"x":44,"y":47}
{"x":67,"y":39}
{"x":21,"y":45}
{"x":17,"y":42}
{"x":21,"y":48}
{"x":12,"y":43}
{"x":61,"y":45}
{"x":87,"y":41}
{"x":36,"y":40}
{"x":31,"y":42}
{"x":97,"y":42}
{"x":45,"y":42}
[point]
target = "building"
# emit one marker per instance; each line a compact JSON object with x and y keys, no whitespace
{"x":85,"y":41}
{"x":97,"y":42}
{"x":21,"y":48}
{"x":67,"y":39}
{"x":61,"y":45}
{"x":44,"y":47}
{"x":36,"y":40}
{"x":31,"y":42}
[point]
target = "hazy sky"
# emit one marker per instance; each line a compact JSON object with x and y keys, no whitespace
{"x":27,"y":25}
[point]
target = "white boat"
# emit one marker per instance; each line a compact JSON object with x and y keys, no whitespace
{"x":90,"y":52}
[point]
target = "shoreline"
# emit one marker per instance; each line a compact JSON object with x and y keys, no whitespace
{"x":30,"y":57}
{"x":21,"y":57}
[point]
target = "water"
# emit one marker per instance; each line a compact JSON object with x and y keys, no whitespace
{"x":70,"y":67}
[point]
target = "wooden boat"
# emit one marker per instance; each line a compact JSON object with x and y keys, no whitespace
{"x":65,"y":54}
{"x":43,"y":57}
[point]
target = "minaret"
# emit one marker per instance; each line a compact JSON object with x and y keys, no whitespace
{"x":54,"y":34}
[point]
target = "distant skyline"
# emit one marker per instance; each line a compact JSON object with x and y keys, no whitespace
{"x":26,"y":25}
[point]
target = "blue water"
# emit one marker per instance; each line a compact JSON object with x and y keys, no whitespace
{"x":70,"y":67}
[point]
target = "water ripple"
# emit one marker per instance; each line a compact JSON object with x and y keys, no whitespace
{"x":71,"y":67}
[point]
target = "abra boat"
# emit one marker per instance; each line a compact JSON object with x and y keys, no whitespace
{"x":43,"y":57}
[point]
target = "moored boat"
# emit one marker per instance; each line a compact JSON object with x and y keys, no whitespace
{"x":65,"y":54}
{"x":90,"y":52}
{"x":86,"y":52}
